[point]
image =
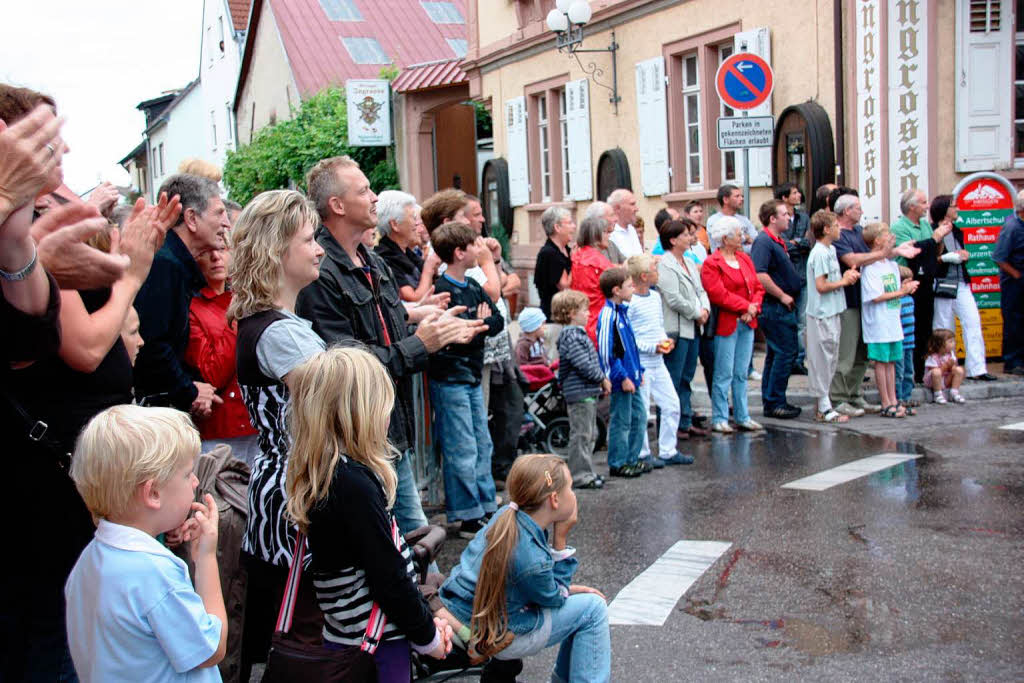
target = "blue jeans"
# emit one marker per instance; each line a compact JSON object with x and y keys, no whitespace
{"x":732,"y":358}
{"x":626,"y":428}
{"x":408,"y":506}
{"x":905,"y":374}
{"x":800,"y":309}
{"x":581,"y":626}
{"x":460,"y":428}
{"x":779,"y":325}
{"x":682,"y":364}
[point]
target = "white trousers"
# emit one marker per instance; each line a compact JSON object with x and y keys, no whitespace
{"x":822,"y":346}
{"x":965,"y":308}
{"x":658,"y":384}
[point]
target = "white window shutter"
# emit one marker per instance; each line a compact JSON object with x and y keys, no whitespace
{"x":577,"y":113}
{"x":652,"y":126}
{"x":758,"y":41}
{"x":518,"y":168}
{"x":984,"y":139}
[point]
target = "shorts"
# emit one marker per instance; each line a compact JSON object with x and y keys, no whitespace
{"x":886,"y":352}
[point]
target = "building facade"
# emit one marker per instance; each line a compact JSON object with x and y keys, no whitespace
{"x":880,"y":95}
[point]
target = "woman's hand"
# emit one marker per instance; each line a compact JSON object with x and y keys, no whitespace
{"x":29,"y":151}
{"x":445,"y":646}
{"x":577,"y":588}
{"x":752,"y":310}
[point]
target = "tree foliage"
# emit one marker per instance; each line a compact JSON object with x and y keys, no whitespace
{"x":280,"y":155}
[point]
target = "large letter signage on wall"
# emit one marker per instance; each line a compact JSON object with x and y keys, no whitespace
{"x":869,"y":107}
{"x":908,"y":96}
{"x":369,"y":112}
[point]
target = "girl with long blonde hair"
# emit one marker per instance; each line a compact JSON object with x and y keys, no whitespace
{"x":514,"y":590}
{"x":341,"y":486}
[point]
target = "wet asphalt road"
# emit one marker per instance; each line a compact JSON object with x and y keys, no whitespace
{"x":912,"y":573}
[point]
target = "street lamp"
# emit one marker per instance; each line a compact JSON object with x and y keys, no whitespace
{"x":567,"y":21}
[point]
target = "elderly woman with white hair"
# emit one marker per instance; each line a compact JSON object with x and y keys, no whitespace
{"x":731,"y":283}
{"x":396,"y":223}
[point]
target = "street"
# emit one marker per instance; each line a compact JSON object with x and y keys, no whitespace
{"x":911,"y":572}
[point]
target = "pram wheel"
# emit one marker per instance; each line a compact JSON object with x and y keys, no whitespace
{"x":556,"y":436}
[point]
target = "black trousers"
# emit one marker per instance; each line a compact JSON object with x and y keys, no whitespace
{"x":1011,"y":301}
{"x":924,"y":313}
{"x":507,"y":409}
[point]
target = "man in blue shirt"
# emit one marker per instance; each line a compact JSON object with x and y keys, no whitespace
{"x":778,"y":316}
{"x":1009,"y":256}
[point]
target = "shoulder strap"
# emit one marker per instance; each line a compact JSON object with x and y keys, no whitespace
{"x":374,"y":625}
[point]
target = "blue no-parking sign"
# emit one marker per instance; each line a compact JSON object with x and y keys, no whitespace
{"x":744,"y":81}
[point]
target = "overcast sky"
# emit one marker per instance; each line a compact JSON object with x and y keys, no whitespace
{"x":99,"y":60}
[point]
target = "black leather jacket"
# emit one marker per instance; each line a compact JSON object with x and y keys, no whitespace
{"x":342,"y":305}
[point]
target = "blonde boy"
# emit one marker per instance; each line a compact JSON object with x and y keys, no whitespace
{"x":645,"y":315}
{"x":132,"y":613}
{"x":880,"y":315}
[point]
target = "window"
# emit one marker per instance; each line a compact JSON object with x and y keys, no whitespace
{"x":229,"y":137}
{"x":153,"y":157}
{"x":161,"y":157}
{"x":365,"y":51}
{"x":691,"y":121}
{"x":730,"y":170}
{"x":458,"y":46}
{"x":443,"y":12}
{"x":341,"y":10}
{"x":1018,"y":84}
{"x":213,"y":127}
{"x":563,"y":128}
{"x":545,"y":148}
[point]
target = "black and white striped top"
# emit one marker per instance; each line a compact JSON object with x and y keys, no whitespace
{"x":356,"y":563}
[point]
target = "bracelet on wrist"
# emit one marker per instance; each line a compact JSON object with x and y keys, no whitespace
{"x":19,"y":275}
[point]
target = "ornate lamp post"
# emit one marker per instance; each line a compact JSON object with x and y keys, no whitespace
{"x":567,"y":21}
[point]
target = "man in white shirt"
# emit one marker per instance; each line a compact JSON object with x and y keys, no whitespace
{"x":624,"y":237}
{"x":730,"y":199}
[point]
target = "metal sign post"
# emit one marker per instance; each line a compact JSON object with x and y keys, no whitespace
{"x":746,"y":174}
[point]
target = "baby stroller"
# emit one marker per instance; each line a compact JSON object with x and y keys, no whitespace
{"x":546,"y":421}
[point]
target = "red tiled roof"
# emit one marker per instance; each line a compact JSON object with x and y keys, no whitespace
{"x":402,"y":27}
{"x":430,"y":75}
{"x":239,"y":13}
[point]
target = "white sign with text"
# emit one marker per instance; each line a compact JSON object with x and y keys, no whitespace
{"x":737,"y":132}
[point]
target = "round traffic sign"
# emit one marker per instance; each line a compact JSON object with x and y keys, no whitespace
{"x":744,"y":81}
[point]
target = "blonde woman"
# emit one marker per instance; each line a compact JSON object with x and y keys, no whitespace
{"x":275,"y":256}
{"x":515,"y":591}
{"x":341,"y":485}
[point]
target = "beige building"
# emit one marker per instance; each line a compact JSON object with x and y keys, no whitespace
{"x":876,"y":94}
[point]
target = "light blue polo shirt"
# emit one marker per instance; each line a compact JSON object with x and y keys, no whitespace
{"x":133,"y":615}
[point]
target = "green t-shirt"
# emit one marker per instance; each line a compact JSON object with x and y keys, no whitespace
{"x":903,"y":229}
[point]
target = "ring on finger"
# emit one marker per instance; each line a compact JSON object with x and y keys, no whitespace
{"x":53,"y":150}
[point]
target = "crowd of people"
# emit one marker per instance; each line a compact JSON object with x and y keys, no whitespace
{"x":307,"y":331}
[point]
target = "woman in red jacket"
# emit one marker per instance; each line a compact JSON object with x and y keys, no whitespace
{"x":588,"y":262}
{"x":731,"y":282}
{"x":211,"y":351}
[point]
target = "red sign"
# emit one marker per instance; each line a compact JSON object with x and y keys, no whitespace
{"x":980,"y":235}
{"x":988,"y":283}
{"x":744,"y":81}
{"x":982,"y":194}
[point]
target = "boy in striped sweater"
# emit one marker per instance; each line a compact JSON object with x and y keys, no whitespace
{"x":645,"y":316}
{"x":905,"y":368}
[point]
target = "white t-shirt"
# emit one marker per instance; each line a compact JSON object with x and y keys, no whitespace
{"x":626,"y":240}
{"x":880,"y":322}
{"x":823,"y":261}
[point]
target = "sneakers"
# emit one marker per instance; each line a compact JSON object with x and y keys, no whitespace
{"x":849,"y":410}
{"x":470,"y":527}
{"x":596,"y":483}
{"x":750,"y":426}
{"x":677,"y":459}
{"x":644,"y":466}
{"x":655,"y":462}
{"x":722,"y":428}
{"x":755,"y":375}
{"x":955,"y":397}
{"x":984,"y":377}
{"x":785,"y":412}
{"x":626,"y":471}
{"x":940,"y":398}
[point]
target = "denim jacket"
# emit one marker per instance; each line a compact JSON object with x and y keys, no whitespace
{"x":538,"y":576}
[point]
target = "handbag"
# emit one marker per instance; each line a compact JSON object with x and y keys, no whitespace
{"x":945,"y":287}
{"x":290,"y":661}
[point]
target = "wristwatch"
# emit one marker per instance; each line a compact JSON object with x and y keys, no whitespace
{"x":19,"y":275}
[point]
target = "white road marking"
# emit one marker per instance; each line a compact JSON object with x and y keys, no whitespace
{"x":652,"y":595}
{"x":1018,"y":426}
{"x":849,"y":471}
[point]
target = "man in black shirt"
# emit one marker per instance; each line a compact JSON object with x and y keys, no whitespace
{"x":778,"y":319}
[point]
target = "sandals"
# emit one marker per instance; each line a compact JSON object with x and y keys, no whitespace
{"x":908,"y":409}
{"x":940,"y":397}
{"x":895,"y":410}
{"x":831,"y":416}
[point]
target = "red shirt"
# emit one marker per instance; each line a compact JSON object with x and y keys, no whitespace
{"x":587,"y":265}
{"x":732,"y":290}
{"x":211,"y":351}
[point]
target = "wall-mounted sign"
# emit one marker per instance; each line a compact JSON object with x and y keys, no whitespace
{"x":369,"y":112}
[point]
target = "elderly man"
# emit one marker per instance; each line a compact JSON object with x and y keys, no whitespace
{"x":356,"y":298}
{"x":730,"y":201}
{"x":1009,"y":256}
{"x":913,"y":226}
{"x":163,"y":301}
{"x":781,"y":284}
{"x":396,"y":223}
{"x":624,"y":241}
